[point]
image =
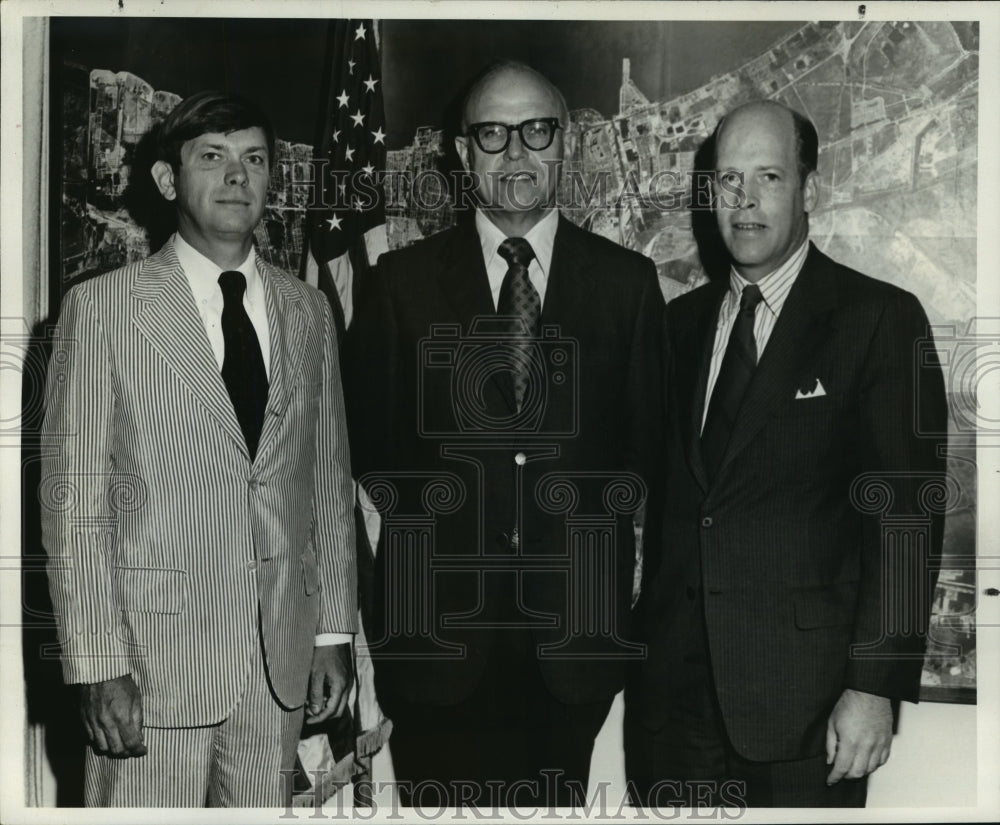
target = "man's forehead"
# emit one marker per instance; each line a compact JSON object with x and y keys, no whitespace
{"x":765,"y":140}
{"x":508,"y":90}
{"x":252,"y":137}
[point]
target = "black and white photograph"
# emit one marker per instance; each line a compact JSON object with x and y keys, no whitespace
{"x":526,"y":411}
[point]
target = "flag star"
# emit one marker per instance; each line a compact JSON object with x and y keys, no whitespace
{"x":343,"y":98}
{"x":356,"y":203}
{"x":334,"y":222}
{"x":350,"y":66}
{"x":348,"y":153}
{"x":368,"y":169}
{"x":358,"y":118}
{"x":379,"y":136}
{"x":359,"y":33}
{"x":370,"y":84}
{"x":336,"y":135}
{"x":342,"y":188}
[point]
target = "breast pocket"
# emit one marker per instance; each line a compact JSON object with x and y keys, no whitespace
{"x":819,"y":405}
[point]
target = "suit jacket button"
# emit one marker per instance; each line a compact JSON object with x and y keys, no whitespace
{"x":706,"y":522}
{"x":520,"y":459}
{"x":503,"y":540}
{"x":251,"y":565}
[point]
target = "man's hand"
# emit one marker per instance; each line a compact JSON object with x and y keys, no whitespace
{"x":112,"y":715}
{"x":331,"y":676}
{"x":858,"y":735}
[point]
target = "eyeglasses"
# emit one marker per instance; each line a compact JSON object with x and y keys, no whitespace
{"x":537,"y":134}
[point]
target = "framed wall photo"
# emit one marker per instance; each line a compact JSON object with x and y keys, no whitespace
{"x":114,"y":80}
{"x":898,"y":165}
{"x":949,"y":672}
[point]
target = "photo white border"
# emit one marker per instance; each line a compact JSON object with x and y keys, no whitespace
{"x":12,"y":91}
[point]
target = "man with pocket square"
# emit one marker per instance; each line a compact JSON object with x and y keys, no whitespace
{"x":780,"y":626}
{"x":196,"y":493}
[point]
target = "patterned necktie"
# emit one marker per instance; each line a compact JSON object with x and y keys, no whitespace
{"x":243,"y":365}
{"x":519,"y":298}
{"x":738,"y":365}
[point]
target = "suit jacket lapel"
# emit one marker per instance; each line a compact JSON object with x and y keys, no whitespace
{"x":464,"y":282}
{"x":803,"y":325}
{"x":570,"y":279}
{"x":165,"y":314}
{"x":286,"y":321}
{"x":462,"y":277}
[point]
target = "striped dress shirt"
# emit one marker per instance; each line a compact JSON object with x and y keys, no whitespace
{"x":775,"y":288}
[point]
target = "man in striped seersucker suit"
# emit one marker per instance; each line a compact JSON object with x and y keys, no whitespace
{"x":196,"y":493}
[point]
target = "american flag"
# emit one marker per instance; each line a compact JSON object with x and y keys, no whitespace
{"x":346,"y":238}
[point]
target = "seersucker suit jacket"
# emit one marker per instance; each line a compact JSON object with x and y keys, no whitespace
{"x":803,"y":593}
{"x":165,"y":542}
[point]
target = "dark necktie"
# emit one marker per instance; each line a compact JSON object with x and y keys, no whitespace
{"x":243,"y":365}
{"x":738,"y":365}
{"x":519,"y":298}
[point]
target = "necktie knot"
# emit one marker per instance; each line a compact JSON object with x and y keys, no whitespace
{"x":516,"y":252}
{"x":750,"y":297}
{"x":233,"y":284}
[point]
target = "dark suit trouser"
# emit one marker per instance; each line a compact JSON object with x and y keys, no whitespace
{"x":492,"y":748}
{"x":690,"y":761}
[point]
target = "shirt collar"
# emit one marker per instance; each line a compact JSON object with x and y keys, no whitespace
{"x":203,"y":274}
{"x":542,"y":237}
{"x":775,"y":286}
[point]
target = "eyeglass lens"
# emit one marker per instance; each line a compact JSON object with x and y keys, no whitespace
{"x":535,"y":134}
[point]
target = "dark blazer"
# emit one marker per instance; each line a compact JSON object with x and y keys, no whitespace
{"x":436,"y":441}
{"x":786,"y":542}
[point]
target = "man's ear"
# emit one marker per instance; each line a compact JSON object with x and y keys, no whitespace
{"x":462,"y":147}
{"x":810,"y":192}
{"x":163,"y":177}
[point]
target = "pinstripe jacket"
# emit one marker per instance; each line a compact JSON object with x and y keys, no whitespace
{"x":802,"y":593}
{"x":164,"y":540}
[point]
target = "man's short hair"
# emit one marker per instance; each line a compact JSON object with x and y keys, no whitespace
{"x":806,"y":145}
{"x":209,"y":111}
{"x":502,"y":66}
{"x":806,"y":142}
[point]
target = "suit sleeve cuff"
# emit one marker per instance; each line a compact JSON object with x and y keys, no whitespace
{"x":324,"y":639}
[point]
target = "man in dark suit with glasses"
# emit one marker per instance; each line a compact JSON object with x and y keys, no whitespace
{"x":503,"y":388}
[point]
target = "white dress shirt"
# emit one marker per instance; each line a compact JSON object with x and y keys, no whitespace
{"x":542,"y":238}
{"x":203,"y":277}
{"x":774,"y":287}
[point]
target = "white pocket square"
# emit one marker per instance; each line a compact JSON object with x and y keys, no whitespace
{"x":816,"y":392}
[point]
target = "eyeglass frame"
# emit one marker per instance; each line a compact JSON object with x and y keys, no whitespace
{"x":553,"y":122}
